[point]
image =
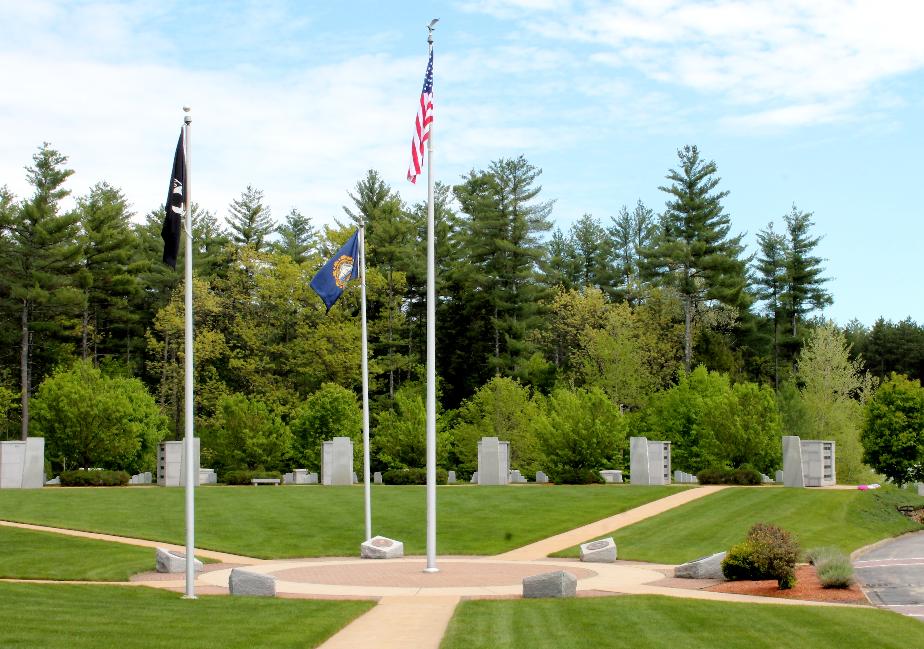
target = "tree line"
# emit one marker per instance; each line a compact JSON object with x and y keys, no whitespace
{"x":625,"y":307}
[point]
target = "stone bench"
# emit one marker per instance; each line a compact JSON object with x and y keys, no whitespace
{"x":246,"y":582}
{"x":258,"y":481}
{"x":550,"y":584}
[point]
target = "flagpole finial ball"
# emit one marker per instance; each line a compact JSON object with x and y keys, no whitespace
{"x":186,"y":109}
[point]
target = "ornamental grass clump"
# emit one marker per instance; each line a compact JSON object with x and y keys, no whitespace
{"x":832,"y":566}
{"x":768,"y":552}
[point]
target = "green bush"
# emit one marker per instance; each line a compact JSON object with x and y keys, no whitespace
{"x":331,"y":411}
{"x":738,"y":564}
{"x":94,"y":478}
{"x":743,"y":475}
{"x":832,"y":566}
{"x":245,"y":433}
{"x":768,"y":552}
{"x":413,"y":476}
{"x":244,"y":476}
{"x":576,"y":476}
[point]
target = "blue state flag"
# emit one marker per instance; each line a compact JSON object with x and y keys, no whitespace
{"x":331,"y":280}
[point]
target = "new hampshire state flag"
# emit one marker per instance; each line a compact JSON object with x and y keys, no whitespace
{"x":332,"y":279}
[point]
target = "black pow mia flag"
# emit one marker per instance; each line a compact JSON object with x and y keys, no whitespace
{"x":176,"y":198}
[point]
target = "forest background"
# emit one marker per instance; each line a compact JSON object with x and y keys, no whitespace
{"x":657,"y":323}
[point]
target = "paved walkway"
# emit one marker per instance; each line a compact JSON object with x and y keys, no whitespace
{"x":892,"y":574}
{"x":599,"y":528}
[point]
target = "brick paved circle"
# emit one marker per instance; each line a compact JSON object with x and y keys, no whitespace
{"x":410,"y":574}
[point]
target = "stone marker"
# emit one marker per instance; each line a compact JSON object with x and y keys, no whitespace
{"x":611,"y":476}
{"x":649,"y":461}
{"x":170,"y":561}
{"x":54,"y":481}
{"x":140,"y":478}
{"x":451,"y":477}
{"x":337,"y":461}
{"x":764,"y":478}
{"x":703,"y":568}
{"x":779,"y":476}
{"x":355,"y":478}
{"x":377,"y":477}
{"x":288,"y":478}
{"x":379,"y":547}
{"x":312,"y":478}
{"x":921,"y":488}
{"x":246,"y":582}
{"x":550,"y":584}
{"x":474,"y":479}
{"x":541,"y":478}
{"x":493,"y":461}
{"x":602,"y":551}
{"x":171,"y":463}
{"x":22,"y":464}
{"x":516,"y":477}
{"x":207,"y":476}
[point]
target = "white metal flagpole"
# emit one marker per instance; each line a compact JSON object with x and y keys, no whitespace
{"x":188,"y":449}
{"x":431,"y":353}
{"x":365,"y":369}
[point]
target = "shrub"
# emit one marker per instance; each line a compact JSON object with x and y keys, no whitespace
{"x":244,"y":476}
{"x":331,"y":411}
{"x":412,"y":476}
{"x":577,"y":476}
{"x":93,"y":478}
{"x":245,"y":434}
{"x":768,"y":552}
{"x":832,"y":566}
{"x":743,"y":475}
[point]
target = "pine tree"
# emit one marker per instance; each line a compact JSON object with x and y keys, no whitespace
{"x":42,"y":255}
{"x":804,"y":290}
{"x":594,"y":252}
{"x":771,"y":285}
{"x":107,"y":281}
{"x":250,"y":221}
{"x":560,"y":268}
{"x":693,"y":251}
{"x":298,"y":238}
{"x":630,"y":235}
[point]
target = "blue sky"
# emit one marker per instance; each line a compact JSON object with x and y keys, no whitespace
{"x":814,"y":103}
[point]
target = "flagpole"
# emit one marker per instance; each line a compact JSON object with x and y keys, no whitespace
{"x":188,"y":428}
{"x":431,"y":353}
{"x":365,"y":369}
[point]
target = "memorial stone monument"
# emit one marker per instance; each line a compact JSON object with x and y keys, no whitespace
{"x":337,"y":462}
{"x":22,"y":464}
{"x":541,"y":478}
{"x":493,"y":461}
{"x":649,"y":461}
{"x":171,"y":463}
{"x":451,"y":477}
{"x":808,"y":463}
{"x":377,"y":477}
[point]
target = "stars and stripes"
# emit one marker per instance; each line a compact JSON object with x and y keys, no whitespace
{"x":422,"y":125}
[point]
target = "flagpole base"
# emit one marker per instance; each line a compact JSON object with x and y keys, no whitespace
{"x":431,"y":570}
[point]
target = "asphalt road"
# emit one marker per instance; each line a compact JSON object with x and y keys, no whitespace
{"x":893,"y":575}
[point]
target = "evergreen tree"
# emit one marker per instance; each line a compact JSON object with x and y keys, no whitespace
{"x":594,"y":253}
{"x":502,"y":253}
{"x":298,"y":238}
{"x":771,"y":285}
{"x":42,"y":255}
{"x":693,"y":251}
{"x":630,"y":235}
{"x":105,"y":277}
{"x":804,"y":290}
{"x":250,"y":221}
{"x":561,"y":265}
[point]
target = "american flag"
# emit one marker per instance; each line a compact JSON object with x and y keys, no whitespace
{"x":422,"y":125}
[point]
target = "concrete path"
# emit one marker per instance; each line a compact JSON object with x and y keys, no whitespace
{"x":398,"y":623}
{"x":594,"y":530}
{"x":892,"y":574}
{"x":224,"y":557}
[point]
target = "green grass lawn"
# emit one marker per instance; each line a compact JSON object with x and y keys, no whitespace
{"x":844,"y":519}
{"x":37,"y":616}
{"x":644,"y":622}
{"x":279,"y":522}
{"x":25,"y":554}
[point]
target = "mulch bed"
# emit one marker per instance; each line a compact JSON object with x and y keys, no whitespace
{"x":807,"y":587}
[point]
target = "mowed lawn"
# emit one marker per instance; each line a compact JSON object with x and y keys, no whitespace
{"x":26,"y":554}
{"x":39,"y":616}
{"x":652,"y":622}
{"x":847,"y":519}
{"x":281,"y":522}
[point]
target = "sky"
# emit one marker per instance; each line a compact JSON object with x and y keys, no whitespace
{"x":816,"y":104}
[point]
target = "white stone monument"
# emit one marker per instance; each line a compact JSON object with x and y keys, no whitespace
{"x":171,"y":463}
{"x":649,"y":461}
{"x":808,"y":463}
{"x":22,"y":464}
{"x":611,"y":476}
{"x":493,"y":461}
{"x":337,"y":462}
{"x":451,"y":477}
{"x":601,"y":551}
{"x":541,"y":478}
{"x":380,"y":547}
